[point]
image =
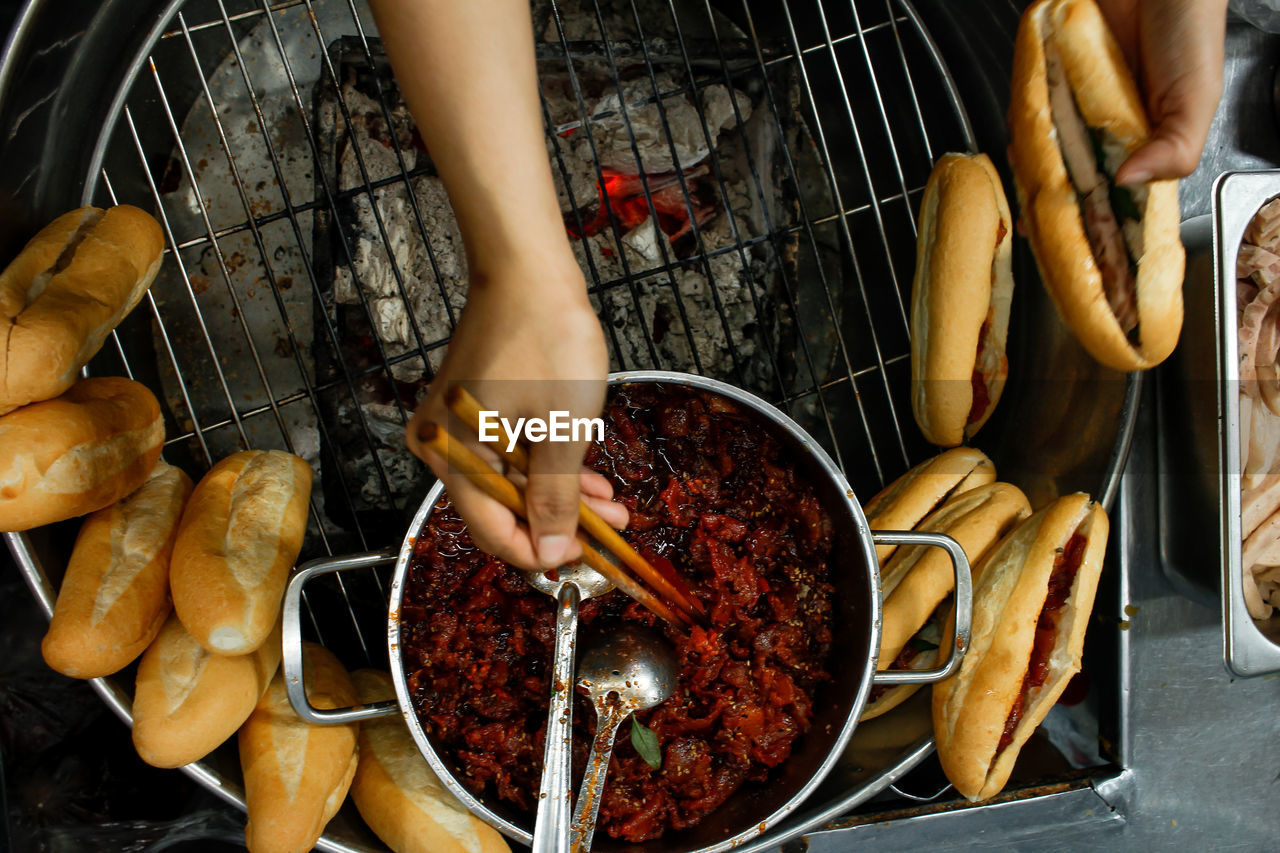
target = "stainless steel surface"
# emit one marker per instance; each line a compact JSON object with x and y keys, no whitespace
{"x":295,"y":681}
{"x":964,"y":606}
{"x":1199,"y":433}
{"x":1251,"y":647}
{"x":627,"y":670}
{"x":571,"y":586}
{"x":221,"y":106}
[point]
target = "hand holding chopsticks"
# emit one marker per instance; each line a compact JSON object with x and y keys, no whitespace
{"x":681,"y":607}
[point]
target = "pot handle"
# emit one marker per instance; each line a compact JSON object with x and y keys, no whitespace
{"x":964,"y":607}
{"x":292,"y":641}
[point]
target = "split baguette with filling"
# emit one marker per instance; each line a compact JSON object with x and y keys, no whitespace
{"x":918,"y":582}
{"x":238,"y":539}
{"x":1111,"y":257}
{"x":960,"y":299}
{"x":77,"y":453}
{"x":1033,"y":594}
{"x":296,"y":775}
{"x":64,"y":293}
{"x":115,"y":595}
{"x":904,"y":502}
{"x":397,"y":793}
{"x":187,"y":701}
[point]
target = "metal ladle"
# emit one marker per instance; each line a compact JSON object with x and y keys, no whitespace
{"x":629,"y":669}
{"x":572,"y":585}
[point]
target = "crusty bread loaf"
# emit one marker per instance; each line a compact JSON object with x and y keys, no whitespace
{"x":960,"y":298}
{"x":239,"y":536}
{"x":188,"y":701}
{"x":1107,"y":98}
{"x":64,"y":293}
{"x":904,"y":502}
{"x":970,"y":710}
{"x":918,"y":579}
{"x":115,"y":595}
{"x":77,"y":453}
{"x":296,"y":775}
{"x":399,"y":796}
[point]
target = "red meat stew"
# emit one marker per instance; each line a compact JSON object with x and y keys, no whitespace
{"x":712,"y":496}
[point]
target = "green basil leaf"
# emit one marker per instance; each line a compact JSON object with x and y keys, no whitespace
{"x":646,"y":743}
{"x":1122,"y":203}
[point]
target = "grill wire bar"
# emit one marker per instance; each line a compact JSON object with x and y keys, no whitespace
{"x":846,"y":314}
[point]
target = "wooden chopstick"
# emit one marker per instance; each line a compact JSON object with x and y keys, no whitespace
{"x":467,"y":408}
{"x":467,"y":462}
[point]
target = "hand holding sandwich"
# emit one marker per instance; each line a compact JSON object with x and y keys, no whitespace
{"x":1174,"y":48}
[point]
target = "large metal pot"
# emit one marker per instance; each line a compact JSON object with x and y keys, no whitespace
{"x":752,"y":810}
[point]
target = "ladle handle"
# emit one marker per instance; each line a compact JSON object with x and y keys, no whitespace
{"x":609,"y":716}
{"x":551,"y":829}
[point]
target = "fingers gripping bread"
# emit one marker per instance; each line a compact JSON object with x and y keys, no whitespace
{"x":237,"y":541}
{"x":64,"y":293}
{"x":188,"y":701}
{"x":1111,"y":257}
{"x":77,"y":453}
{"x":115,"y":595}
{"x":1033,"y":594}
{"x":397,"y":793}
{"x":296,"y":775}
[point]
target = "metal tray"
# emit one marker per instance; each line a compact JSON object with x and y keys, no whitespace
{"x":1199,"y":428}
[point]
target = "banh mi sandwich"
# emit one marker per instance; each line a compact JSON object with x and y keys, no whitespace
{"x":918,"y":582}
{"x":1032,"y":597}
{"x":960,"y":299}
{"x":1110,"y":255}
{"x":904,"y":502}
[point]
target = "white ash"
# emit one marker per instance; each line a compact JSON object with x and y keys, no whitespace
{"x":687,"y":142}
{"x":373,"y":271}
{"x":661,"y":270}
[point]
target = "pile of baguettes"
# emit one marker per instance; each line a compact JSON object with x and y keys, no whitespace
{"x":1112,"y":260}
{"x":1034,"y":579}
{"x":217,"y":555}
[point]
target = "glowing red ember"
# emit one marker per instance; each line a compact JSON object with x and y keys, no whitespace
{"x":623,"y":196}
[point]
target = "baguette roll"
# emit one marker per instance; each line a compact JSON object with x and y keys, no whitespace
{"x":918,"y":582}
{"x":1111,"y":257}
{"x":960,"y":299}
{"x":1032,"y":599}
{"x":296,"y":775}
{"x":238,"y":539}
{"x":115,"y":595}
{"x":904,"y":502}
{"x":77,"y":453}
{"x":187,"y":701}
{"x":64,"y":293}
{"x":399,"y":796}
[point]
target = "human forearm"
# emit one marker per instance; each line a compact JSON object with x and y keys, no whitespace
{"x":467,"y":73}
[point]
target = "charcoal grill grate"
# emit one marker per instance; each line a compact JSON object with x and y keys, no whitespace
{"x":219,"y":134}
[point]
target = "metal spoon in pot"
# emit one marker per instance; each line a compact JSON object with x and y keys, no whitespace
{"x":630,"y":669}
{"x":572,"y":585}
